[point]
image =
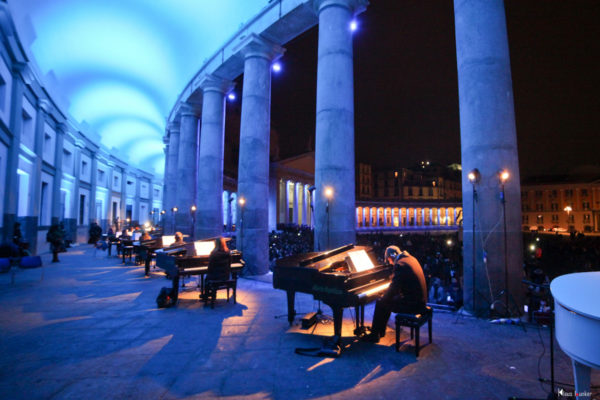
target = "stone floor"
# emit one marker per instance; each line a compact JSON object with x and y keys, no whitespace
{"x":88,"y":327}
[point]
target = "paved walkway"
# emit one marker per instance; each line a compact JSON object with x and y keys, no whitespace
{"x":91,"y":330}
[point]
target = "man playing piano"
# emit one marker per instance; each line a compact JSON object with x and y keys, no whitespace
{"x":407,"y":292}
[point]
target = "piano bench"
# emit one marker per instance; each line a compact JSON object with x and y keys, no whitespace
{"x":211,"y":288}
{"x":414,"y":322}
{"x":127,"y":251}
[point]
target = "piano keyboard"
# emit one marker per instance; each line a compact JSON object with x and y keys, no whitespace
{"x":375,"y":290}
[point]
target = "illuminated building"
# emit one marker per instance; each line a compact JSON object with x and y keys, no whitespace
{"x":561,"y":206}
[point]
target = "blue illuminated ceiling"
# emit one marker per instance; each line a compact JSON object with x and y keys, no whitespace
{"x":120,"y":64}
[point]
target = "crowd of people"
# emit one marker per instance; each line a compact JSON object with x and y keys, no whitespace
{"x":289,"y":241}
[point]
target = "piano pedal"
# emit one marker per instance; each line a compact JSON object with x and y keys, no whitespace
{"x":309,"y":320}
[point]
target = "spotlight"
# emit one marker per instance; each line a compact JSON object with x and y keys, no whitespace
{"x":532,"y":247}
{"x":449,"y":242}
{"x":353,"y":25}
{"x":276,"y":67}
{"x":231,"y":96}
{"x":193,"y":208}
{"x":503,"y":175}
{"x":242,"y":201}
{"x":328,"y":192}
{"x":474,"y":176}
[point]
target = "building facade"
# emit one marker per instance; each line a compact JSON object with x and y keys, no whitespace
{"x":568,"y":206}
{"x":51,"y":171}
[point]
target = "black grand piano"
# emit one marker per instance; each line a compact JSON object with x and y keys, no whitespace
{"x":192,"y":259}
{"x":348,"y":276}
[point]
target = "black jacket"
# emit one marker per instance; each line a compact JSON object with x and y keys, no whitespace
{"x":219,"y":265}
{"x":408,"y":284}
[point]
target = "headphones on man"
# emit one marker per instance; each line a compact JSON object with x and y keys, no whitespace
{"x":395,"y":253}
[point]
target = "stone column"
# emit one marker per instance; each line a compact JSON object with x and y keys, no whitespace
{"x":166,"y":173}
{"x":253,"y":170}
{"x":286,"y":199}
{"x":171,"y":175}
{"x":79,"y":145}
{"x":93,"y":181}
{"x":488,"y":143}
{"x":32,"y":220}
{"x":295,"y":213}
{"x":61,"y":129}
{"x":186,"y":167}
{"x":137,"y":202}
{"x":334,"y":150}
{"x":123,"y":218}
{"x":209,"y":199}
{"x":11,"y":206}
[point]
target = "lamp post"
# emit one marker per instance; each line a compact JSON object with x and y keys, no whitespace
{"x":152,"y":217}
{"x":503,"y":176}
{"x":474,"y":177}
{"x":173,"y":211}
{"x":328,"y":196}
{"x":193,"y":214}
{"x":568,"y":209}
{"x":162,"y":218}
{"x":242,"y":202}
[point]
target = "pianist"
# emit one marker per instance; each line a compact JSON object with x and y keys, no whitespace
{"x":406,"y":294}
{"x":219,"y":262}
{"x":178,"y":240}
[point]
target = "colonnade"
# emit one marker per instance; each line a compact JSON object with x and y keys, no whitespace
{"x":488,"y":140}
{"x":294,"y":203}
{"x":407,"y":217}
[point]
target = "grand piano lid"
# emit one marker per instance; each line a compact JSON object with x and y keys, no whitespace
{"x":579,"y":292}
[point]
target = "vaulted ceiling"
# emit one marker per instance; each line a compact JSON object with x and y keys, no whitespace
{"x":118,"y":66}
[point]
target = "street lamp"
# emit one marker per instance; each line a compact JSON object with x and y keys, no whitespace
{"x":193,"y":213}
{"x":474,"y":177}
{"x":503,"y":177}
{"x":242,"y":202}
{"x":173,"y":211}
{"x":568,"y":209}
{"x":162,"y":219}
{"x":328,"y":196}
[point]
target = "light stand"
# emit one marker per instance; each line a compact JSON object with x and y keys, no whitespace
{"x":328,"y":195}
{"x":504,"y":175}
{"x":173,"y":211}
{"x":162,"y":218}
{"x":242,"y":202}
{"x":474,"y":177}
{"x":193,"y":214}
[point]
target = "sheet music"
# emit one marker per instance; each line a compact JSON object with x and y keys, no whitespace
{"x":204,"y":248}
{"x":359,"y":261}
{"x":168,"y":240}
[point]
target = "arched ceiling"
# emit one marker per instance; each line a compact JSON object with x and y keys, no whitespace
{"x":120,"y":64}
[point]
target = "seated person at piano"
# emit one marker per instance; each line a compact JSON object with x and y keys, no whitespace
{"x":219,"y":262}
{"x":178,"y":240}
{"x":407,"y":292}
{"x":146,"y":236}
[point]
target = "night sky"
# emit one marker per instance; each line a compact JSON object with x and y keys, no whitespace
{"x":406,"y":92}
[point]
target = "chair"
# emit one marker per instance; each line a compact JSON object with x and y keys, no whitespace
{"x":212,"y":286}
{"x":414,"y":322}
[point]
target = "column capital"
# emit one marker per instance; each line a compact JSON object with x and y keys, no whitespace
{"x":45,"y":105}
{"x":355,"y":6}
{"x":189,"y":109}
{"x":213,"y":83}
{"x":257,"y":46}
{"x":62,"y":128}
{"x":172,"y":128}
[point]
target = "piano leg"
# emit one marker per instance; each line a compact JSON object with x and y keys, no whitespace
{"x":338,"y":316}
{"x":291,"y":298}
{"x":175,"y":290}
{"x":582,"y":374}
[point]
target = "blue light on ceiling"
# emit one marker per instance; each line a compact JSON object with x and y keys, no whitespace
{"x":122,"y":63}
